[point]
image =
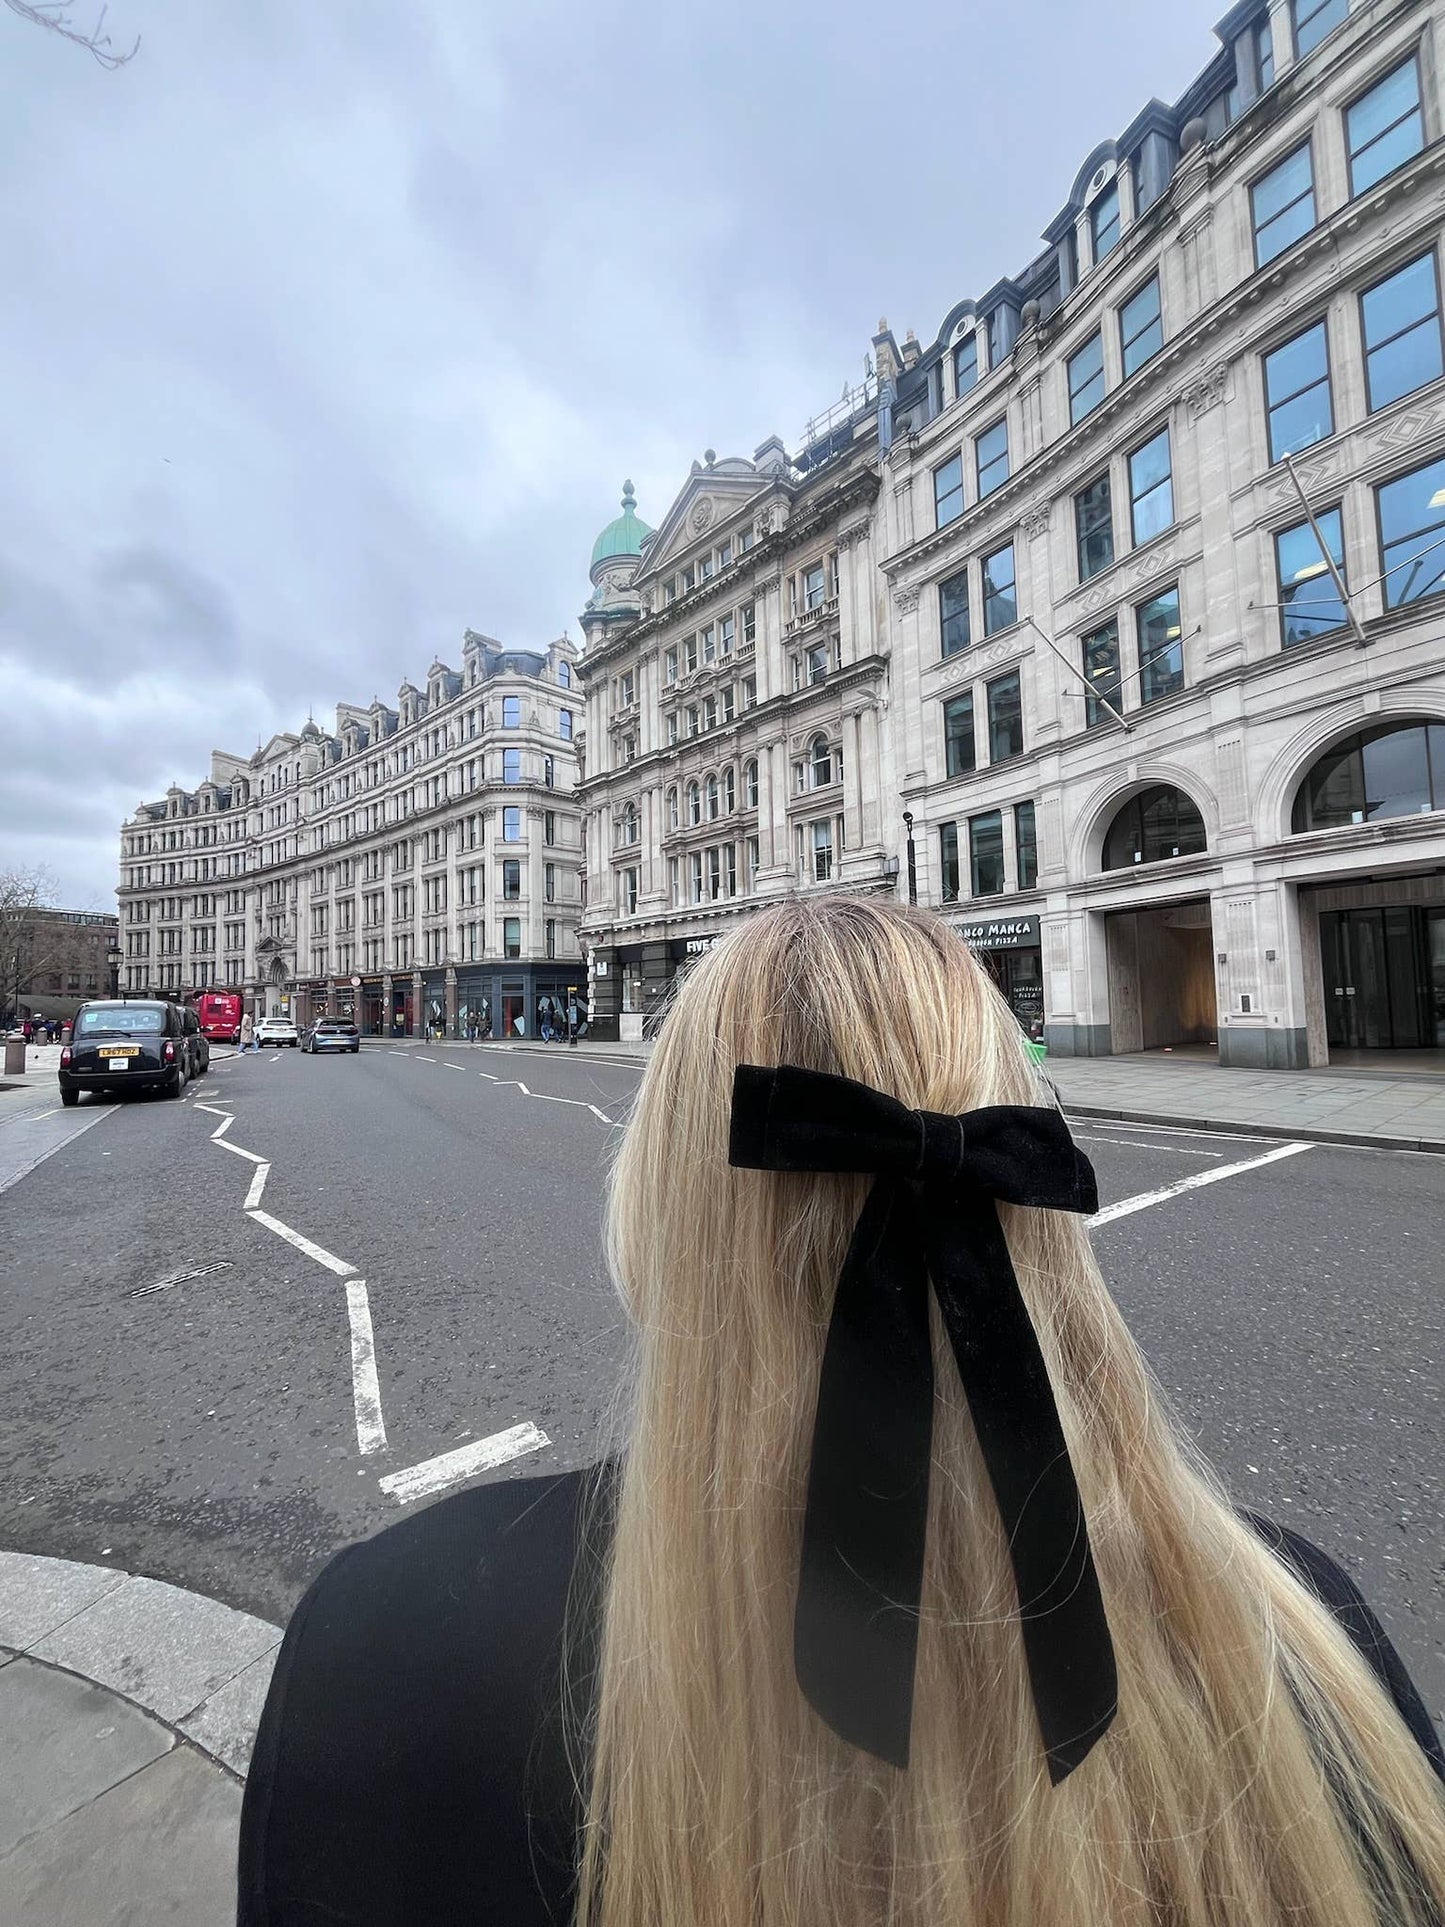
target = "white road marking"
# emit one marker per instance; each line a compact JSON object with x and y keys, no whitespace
{"x":182,"y":1277}
{"x":1135,"y":1144}
{"x":482,"y":1455}
{"x":312,"y":1250}
{"x":365,"y":1388}
{"x":602,"y":1114}
{"x":1168,"y":1130}
{"x":424,"y":1060}
{"x":258,"y":1185}
{"x":1145,"y":1199}
{"x":276,"y":1059}
{"x":453,"y":1067}
{"x":225,"y":1144}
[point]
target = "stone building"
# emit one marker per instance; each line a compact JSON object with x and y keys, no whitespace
{"x":52,"y":960}
{"x":1163,"y":529}
{"x":736,"y":689}
{"x":419,"y":866}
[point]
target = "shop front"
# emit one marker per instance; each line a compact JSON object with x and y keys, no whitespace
{"x":434,"y":1004}
{"x":371,"y":1007}
{"x":1375,"y":966}
{"x":1010,"y":949}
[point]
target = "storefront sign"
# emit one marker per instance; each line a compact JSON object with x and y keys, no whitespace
{"x":698,"y":946}
{"x":1001,"y":933}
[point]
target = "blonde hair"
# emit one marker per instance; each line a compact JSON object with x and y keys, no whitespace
{"x":1256,"y":1772}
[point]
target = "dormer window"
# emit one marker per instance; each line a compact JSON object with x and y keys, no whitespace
{"x":1104,"y":221}
{"x":965,"y":365}
{"x":564,"y":674}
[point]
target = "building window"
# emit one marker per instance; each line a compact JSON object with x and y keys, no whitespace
{"x":1151,"y":489}
{"x":549,"y":826}
{"x":694,"y":803}
{"x":1005,"y":718}
{"x":629,"y":892}
{"x":948,"y":860}
{"x":1297,"y":393}
{"x":1141,"y":328}
{"x":693,"y":722}
{"x":1094,"y":527}
{"x":1393,"y":769}
{"x":689,"y":654}
{"x":1101,"y":672}
{"x":816,"y":663}
{"x":985,"y":854}
{"x":670,"y":663}
{"x":1310,"y":604}
{"x":626,"y":689}
{"x":821,"y":840}
{"x":709,"y":644}
{"x":991,"y":454}
{"x":948,"y":492}
{"x":965,"y":365}
{"x":511,"y":766}
{"x":750,"y":623}
{"x":813,"y":587}
{"x":710,"y":791}
{"x":672,"y":811}
{"x":709,"y":712}
{"x":695,"y":868}
{"x":549,"y":772}
{"x":671,"y":727}
{"x":1104,"y":221}
{"x":1384,"y":128}
{"x":1412,"y":534}
{"x":750,"y":784}
{"x":1313,"y":19}
{"x":630,"y":823}
{"x":1086,"y":378}
{"x":958,"y":750}
{"x":729,"y":791}
{"x":1000,"y":592}
{"x":511,"y":936}
{"x":1264,"y":53}
{"x":564,"y":725}
{"x":725,"y":695}
{"x":511,"y":879}
{"x":511,"y":824}
{"x":564,"y":674}
{"x":953,"y":612}
{"x":1161,"y":648}
{"x":550,"y":930}
{"x":726,"y":630}
{"x":1026,"y":843}
{"x":820,"y":763}
{"x":1400,"y":319}
{"x":511,"y":712}
{"x":1284,"y":205}
{"x":1157,"y":824}
{"x":754,"y":856}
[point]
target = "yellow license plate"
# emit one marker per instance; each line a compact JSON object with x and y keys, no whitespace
{"x":120,"y":1050}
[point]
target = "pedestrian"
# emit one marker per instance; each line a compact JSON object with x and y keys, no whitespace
{"x":572,"y":1019}
{"x":906,"y":1599}
{"x":26,"y":1029}
{"x":248,"y":1034}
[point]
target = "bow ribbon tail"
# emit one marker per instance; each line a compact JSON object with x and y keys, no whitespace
{"x":1070,"y":1654}
{"x":855,"y":1634}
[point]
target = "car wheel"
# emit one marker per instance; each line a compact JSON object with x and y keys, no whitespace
{"x":177,"y":1084}
{"x":69,"y":1099}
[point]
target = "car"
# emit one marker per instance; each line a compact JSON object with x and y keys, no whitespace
{"x":332,"y":1033}
{"x":135,"y":1044}
{"x":277,"y":1031}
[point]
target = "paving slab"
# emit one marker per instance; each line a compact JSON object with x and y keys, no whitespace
{"x":158,"y":1850}
{"x":165,"y":1648}
{"x":38,"y":1595}
{"x":225,"y":1724}
{"x":64,"y":1742}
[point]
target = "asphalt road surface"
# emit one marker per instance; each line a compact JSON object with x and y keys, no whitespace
{"x":216,"y":1395}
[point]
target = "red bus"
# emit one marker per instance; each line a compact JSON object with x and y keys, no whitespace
{"x":219,"y":1014}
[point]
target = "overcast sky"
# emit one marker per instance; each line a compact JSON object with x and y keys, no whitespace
{"x":331,"y":331}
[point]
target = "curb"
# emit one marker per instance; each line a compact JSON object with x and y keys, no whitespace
{"x":197,"y":1666}
{"x":1302,"y":1133}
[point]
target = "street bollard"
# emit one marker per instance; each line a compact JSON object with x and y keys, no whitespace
{"x":14,"y":1056}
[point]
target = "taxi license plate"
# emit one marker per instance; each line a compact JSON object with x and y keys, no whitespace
{"x":118,"y":1053}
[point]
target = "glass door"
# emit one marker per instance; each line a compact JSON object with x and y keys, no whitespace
{"x":1384,"y":978}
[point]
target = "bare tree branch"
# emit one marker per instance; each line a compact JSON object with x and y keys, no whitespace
{"x":55,"y":16}
{"x":27,"y":942}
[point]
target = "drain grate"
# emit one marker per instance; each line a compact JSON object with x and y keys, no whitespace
{"x":182,"y":1277}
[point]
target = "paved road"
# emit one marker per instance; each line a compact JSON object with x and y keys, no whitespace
{"x":210,"y":1431}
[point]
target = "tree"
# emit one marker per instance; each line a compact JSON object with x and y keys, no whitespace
{"x":30,"y":943}
{"x":54,"y":15}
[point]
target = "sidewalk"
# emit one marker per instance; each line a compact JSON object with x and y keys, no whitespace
{"x":1331,"y":1107}
{"x":128,"y":1709}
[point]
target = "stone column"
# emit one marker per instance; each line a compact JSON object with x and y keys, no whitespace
{"x":418,"y":1014}
{"x":451,"y":1000}
{"x":852,"y":739}
{"x":386,"y":990}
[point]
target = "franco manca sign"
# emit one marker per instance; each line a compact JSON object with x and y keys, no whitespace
{"x":1001,"y":933}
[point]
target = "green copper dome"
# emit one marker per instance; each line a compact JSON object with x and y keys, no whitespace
{"x":625,"y":535}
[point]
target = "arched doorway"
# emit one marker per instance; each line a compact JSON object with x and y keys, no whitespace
{"x":1381,"y":944}
{"x":1161,"y":962}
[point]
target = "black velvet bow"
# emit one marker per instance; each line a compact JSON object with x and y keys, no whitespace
{"x":931,"y":1214}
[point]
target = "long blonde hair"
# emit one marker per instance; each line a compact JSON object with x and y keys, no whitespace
{"x":1256,"y":1775}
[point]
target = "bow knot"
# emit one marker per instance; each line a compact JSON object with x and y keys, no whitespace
{"x":856,"y":1628}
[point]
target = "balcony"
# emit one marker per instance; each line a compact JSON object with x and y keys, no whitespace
{"x":810,"y":618}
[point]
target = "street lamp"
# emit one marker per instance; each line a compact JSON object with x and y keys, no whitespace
{"x":912,"y":858}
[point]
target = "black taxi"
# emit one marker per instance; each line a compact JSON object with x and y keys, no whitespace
{"x":139,"y":1044}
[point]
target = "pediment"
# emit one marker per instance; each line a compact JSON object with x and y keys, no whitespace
{"x":709,"y":503}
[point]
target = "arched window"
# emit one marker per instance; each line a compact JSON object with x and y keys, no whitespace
{"x":1157,"y":824}
{"x":564,"y":674}
{"x":820,"y":763}
{"x":730,"y":791}
{"x":629,"y":824}
{"x":694,"y":803}
{"x":1393,"y":769}
{"x":672,"y":809}
{"x":750,"y":783}
{"x":712,"y":797}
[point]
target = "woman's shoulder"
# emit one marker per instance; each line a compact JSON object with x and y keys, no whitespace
{"x":396,"y":1761}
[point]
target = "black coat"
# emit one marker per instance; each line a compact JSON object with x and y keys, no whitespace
{"x":409,"y":1769}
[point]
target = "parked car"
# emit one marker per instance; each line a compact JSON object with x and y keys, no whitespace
{"x":332,"y":1033}
{"x":197,"y":1043}
{"x":277,"y":1031}
{"x":139,"y":1045}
